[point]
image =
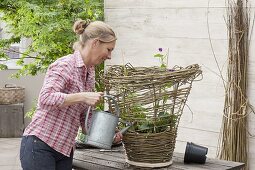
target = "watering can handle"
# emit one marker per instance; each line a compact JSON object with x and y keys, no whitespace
{"x":87,"y":115}
{"x":86,"y":121}
{"x":115,"y":103}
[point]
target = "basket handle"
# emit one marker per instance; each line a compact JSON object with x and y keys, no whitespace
{"x":10,"y":86}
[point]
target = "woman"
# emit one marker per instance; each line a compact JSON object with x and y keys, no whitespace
{"x":48,"y":141}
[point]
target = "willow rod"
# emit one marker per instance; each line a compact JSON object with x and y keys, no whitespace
{"x":234,"y":144}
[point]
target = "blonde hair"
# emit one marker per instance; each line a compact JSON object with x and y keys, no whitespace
{"x":89,"y":30}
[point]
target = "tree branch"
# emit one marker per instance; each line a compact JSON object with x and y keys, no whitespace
{"x":28,"y":56}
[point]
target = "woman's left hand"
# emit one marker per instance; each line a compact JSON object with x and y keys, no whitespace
{"x":118,"y":137}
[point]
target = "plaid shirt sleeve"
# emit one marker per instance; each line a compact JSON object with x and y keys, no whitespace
{"x":51,"y":95}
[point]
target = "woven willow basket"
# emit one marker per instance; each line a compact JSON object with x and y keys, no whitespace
{"x":12,"y":94}
{"x":150,"y":150}
{"x":152,"y":99}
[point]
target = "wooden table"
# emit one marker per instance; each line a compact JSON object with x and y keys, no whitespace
{"x":94,"y":159}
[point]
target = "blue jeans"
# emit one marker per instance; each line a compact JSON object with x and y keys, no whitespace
{"x":37,"y":155}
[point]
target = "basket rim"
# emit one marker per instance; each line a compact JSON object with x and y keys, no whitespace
{"x":150,"y":165}
{"x":150,"y":134}
{"x":12,"y":88}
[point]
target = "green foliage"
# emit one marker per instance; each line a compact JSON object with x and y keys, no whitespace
{"x":48,"y":24}
{"x":163,"y":121}
{"x":31,"y":112}
{"x":160,"y":122}
{"x":3,"y":67}
{"x":80,"y":138}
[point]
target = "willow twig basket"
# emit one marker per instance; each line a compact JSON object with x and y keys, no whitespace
{"x":12,"y":94}
{"x":150,"y":150}
{"x":153,"y":99}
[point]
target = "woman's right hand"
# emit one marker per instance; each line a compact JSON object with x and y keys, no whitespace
{"x":92,"y":98}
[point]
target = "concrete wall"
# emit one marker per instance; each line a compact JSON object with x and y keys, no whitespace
{"x":182,"y":26}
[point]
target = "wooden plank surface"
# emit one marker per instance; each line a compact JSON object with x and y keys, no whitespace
{"x":11,"y":120}
{"x":94,"y":159}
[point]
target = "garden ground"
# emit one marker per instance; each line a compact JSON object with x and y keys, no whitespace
{"x":9,"y":154}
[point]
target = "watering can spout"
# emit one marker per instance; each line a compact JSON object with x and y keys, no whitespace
{"x":129,"y":125}
{"x":122,"y":131}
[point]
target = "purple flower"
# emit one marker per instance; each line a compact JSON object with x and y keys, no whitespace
{"x":160,"y":49}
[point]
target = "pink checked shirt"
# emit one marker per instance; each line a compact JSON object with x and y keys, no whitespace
{"x":57,"y":126}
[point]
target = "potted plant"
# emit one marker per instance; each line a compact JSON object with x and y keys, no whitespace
{"x":152,"y":99}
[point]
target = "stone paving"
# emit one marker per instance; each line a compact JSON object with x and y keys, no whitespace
{"x":9,"y":154}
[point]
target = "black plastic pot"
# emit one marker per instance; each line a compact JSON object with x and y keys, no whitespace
{"x":195,"y":153}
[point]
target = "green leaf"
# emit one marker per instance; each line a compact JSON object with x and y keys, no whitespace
{"x":163,"y":65}
{"x":3,"y":67}
{"x":159,"y":55}
{"x":3,"y":56}
{"x":144,"y":126}
{"x":162,"y":114}
{"x":169,"y":84}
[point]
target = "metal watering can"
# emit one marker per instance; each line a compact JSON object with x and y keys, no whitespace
{"x":102,"y":129}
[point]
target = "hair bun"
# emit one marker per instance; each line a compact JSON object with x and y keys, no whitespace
{"x":80,"y":25}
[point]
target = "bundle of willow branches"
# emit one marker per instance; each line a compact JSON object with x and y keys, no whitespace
{"x":234,"y":144}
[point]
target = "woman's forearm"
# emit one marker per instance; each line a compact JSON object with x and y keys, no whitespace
{"x":73,"y":99}
{"x":89,"y":98}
